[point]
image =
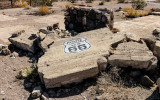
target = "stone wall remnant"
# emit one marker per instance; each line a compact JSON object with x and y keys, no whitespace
{"x":81,"y":19}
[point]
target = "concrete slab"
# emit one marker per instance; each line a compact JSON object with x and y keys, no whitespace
{"x":63,"y":64}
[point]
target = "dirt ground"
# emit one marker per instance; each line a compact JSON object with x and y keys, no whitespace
{"x":15,"y":19}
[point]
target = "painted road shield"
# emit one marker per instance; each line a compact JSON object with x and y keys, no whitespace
{"x":76,"y":45}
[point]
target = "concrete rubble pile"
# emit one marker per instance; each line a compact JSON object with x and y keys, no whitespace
{"x":73,"y":59}
{"x":81,"y":19}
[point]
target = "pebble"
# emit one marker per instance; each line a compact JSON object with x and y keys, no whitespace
{"x":36,"y":93}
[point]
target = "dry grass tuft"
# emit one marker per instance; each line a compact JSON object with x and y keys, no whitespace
{"x":131,"y":12}
{"x":68,"y":4}
{"x":43,"y":10}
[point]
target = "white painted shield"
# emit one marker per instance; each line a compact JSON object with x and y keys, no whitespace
{"x":76,"y":45}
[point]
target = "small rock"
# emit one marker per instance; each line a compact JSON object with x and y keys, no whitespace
{"x":45,"y":96}
{"x":42,"y":36}
{"x":12,"y":56}
{"x":102,"y":63}
{"x":56,"y":26}
{"x":146,"y":81}
{"x":156,"y":31}
{"x":43,"y":31}
{"x":49,"y":28}
{"x":15,"y":54}
{"x":158,"y":83}
{"x":5,"y":52}
{"x":18,"y":33}
{"x":3,"y":46}
{"x":36,"y":93}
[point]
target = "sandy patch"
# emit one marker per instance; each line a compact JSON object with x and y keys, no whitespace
{"x":6,"y":18}
{"x":6,"y":32}
{"x":141,"y":26}
{"x":52,"y":19}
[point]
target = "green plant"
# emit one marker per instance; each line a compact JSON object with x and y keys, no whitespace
{"x":121,"y":1}
{"x":25,"y":72}
{"x":101,"y":3}
{"x":139,"y":4}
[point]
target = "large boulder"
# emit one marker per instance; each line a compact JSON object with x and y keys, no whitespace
{"x":25,"y":41}
{"x":73,"y":59}
{"x":133,"y":54}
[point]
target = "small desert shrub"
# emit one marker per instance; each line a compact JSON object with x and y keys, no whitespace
{"x":121,"y":1}
{"x":43,"y":10}
{"x":101,"y":3}
{"x":137,"y":13}
{"x":25,"y":72}
{"x":126,"y":9}
{"x":68,"y":4}
{"x":139,"y":4}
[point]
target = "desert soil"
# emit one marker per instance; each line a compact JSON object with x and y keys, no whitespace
{"x":18,"y":18}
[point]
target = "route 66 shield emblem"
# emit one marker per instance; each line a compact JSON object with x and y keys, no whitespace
{"x":76,"y":45}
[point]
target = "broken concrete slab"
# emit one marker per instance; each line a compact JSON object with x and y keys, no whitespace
{"x":25,"y":41}
{"x":73,"y":59}
{"x":133,"y":54}
{"x":47,"y":41}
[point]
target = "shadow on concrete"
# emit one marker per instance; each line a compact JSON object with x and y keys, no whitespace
{"x":154,"y":96}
